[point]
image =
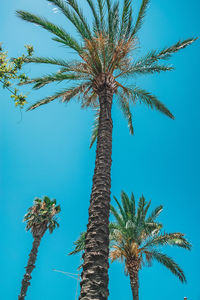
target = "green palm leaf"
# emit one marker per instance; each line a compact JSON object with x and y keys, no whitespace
{"x":62,"y":35}
{"x":140,"y":17}
{"x":95,"y":128}
{"x":95,"y":14}
{"x":66,"y":94}
{"x":150,"y":100}
{"x":169,"y":263}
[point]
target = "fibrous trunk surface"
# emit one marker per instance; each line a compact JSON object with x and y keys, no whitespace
{"x":133,"y":270}
{"x":29,"y":268}
{"x":94,"y":284}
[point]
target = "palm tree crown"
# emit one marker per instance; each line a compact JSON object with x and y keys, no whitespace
{"x":42,"y":216}
{"x":137,"y":235}
{"x":106,"y":47}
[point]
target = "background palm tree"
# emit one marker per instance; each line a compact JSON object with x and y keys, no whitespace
{"x":105,"y":56}
{"x":40,"y":217}
{"x":136,"y":239}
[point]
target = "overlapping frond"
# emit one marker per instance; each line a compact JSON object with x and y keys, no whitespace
{"x":155,"y":213}
{"x":75,"y":16}
{"x":62,"y":35}
{"x":138,"y":94}
{"x":66,"y":95}
{"x":101,"y":7}
{"x":168,"y":262}
{"x":79,"y":244}
{"x":170,"y":239}
{"x":42,"y":81}
{"x":48,"y":60}
{"x":95,"y":14}
{"x":124,"y":104}
{"x":95,"y":128}
{"x":125,"y":18}
{"x":141,"y":15}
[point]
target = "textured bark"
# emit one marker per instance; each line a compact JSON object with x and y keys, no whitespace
{"x":94,"y":283}
{"x":133,"y":270}
{"x":38,"y":233}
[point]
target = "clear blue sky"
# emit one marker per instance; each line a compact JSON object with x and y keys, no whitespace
{"x":48,"y":153}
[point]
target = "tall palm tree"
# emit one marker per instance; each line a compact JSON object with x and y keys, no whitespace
{"x":105,"y":52}
{"x":40,"y":217}
{"x":137,"y":239}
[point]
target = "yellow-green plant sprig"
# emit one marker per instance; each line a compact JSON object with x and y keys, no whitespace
{"x":10,"y":73}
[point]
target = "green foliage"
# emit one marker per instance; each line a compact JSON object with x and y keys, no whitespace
{"x":10,"y":72}
{"x":136,"y":234}
{"x":79,"y":244}
{"x":95,"y":128}
{"x":106,"y":45}
{"x":42,"y":213}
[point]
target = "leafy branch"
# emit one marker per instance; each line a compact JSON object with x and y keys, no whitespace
{"x":10,"y":71}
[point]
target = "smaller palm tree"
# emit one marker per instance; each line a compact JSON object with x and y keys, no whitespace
{"x":40,"y":217}
{"x":136,"y":238}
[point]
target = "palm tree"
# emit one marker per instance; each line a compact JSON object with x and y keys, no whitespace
{"x":136,"y":238}
{"x":40,"y":217}
{"x":105,"y":55}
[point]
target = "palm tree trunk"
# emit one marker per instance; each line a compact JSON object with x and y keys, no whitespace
{"x":29,"y":268}
{"x":133,"y":270}
{"x":94,"y":283}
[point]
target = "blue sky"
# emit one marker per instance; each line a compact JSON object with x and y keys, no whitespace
{"x":47,"y":153}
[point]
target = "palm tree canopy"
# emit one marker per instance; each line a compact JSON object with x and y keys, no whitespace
{"x":136,"y":234}
{"x":42,"y":214}
{"x":105,"y":47}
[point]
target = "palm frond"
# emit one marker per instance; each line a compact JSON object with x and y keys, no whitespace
{"x":129,"y":24}
{"x":169,"y":263}
{"x":101,"y":6}
{"x":115,"y":16}
{"x":83,"y":22}
{"x":140,"y":17}
{"x":173,"y":239}
{"x":117,"y":216}
{"x":46,"y":100}
{"x":123,"y":214}
{"x":150,"y":59}
{"x":66,"y":94}
{"x":167,"y":52}
{"x":141,"y":205}
{"x":150,"y":100}
{"x":76,"y":18}
{"x":140,"y":68}
{"x":155,"y":213}
{"x":125,"y":203}
{"x":48,"y":60}
{"x":125,"y":18}
{"x":95,"y":14}
{"x":146,"y":209}
{"x":42,"y":81}
{"x":123,"y":101}
{"x":132,"y":204}
{"x":58,"y":31}
{"x":79,"y":244}
{"x":95,"y":128}
{"x":109,"y":13}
